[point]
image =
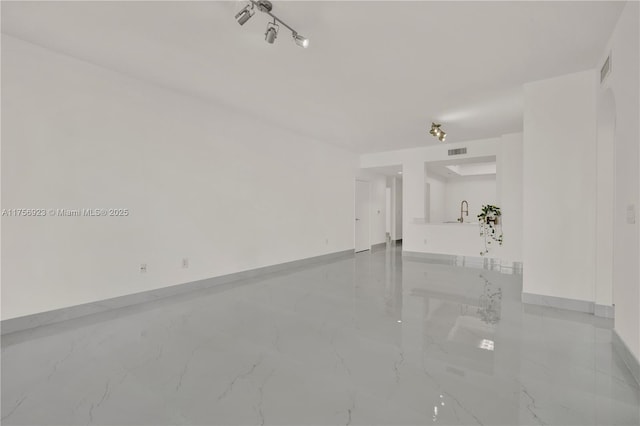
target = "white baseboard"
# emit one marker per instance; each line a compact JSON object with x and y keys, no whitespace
{"x":627,"y":356}
{"x":585,"y":306}
{"x":58,"y":315}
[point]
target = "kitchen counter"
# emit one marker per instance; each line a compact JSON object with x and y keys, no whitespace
{"x":460,"y":239}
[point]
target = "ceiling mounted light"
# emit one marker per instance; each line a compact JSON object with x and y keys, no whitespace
{"x":270,"y":36}
{"x":300,"y":40}
{"x":272,"y":32}
{"x":245,"y":14}
{"x":437,"y":132}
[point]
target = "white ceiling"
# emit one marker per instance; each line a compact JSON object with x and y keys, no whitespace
{"x":374,"y":77}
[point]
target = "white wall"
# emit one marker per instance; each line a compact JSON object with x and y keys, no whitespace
{"x":413,"y":203}
{"x":436,"y":202}
{"x":475,"y":148}
{"x":559,"y":183}
{"x":509,"y":194}
{"x":623,"y":82}
{"x":476,"y":190}
{"x":228,"y":191}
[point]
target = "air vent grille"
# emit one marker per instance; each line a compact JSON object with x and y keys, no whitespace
{"x":606,"y":69}
{"x":458,"y":151}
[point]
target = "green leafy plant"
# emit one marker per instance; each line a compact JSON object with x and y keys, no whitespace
{"x":490,"y":227}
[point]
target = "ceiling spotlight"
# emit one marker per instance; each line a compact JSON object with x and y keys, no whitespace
{"x":270,"y":36}
{"x":245,"y":14}
{"x":300,"y":40}
{"x":437,"y":132}
{"x":272,"y":32}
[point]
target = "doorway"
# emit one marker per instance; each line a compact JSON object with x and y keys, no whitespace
{"x":362,"y":216}
{"x":396,"y":208}
{"x":605,"y":199}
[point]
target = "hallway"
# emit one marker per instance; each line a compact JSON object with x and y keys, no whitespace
{"x":373,"y":339}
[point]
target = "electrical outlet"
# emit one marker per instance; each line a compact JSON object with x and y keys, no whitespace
{"x":185,"y":263}
{"x":143,"y":268}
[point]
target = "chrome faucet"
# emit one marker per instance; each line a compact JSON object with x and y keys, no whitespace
{"x":462,"y":210}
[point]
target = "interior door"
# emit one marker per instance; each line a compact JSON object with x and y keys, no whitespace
{"x":362,"y":216}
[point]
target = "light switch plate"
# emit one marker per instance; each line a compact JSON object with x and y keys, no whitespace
{"x":631,"y":214}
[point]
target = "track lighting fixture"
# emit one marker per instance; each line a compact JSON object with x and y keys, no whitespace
{"x":437,"y":132}
{"x":271,"y":34}
{"x":435,"y":129}
{"x":244,"y":15}
{"x":301,"y":41}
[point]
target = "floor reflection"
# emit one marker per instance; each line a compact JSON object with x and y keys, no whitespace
{"x":376,"y":339}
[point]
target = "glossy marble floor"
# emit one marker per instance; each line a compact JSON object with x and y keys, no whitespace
{"x":371,"y":340}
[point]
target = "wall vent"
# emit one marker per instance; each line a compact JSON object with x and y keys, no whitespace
{"x":458,"y":151}
{"x":606,"y":69}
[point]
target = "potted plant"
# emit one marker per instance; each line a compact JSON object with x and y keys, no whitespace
{"x":490,"y":228}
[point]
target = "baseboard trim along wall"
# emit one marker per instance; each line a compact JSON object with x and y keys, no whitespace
{"x":379,"y":246}
{"x":604,"y":311}
{"x":585,"y":306}
{"x":58,"y":315}
{"x":621,"y":348}
{"x":505,"y":267}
